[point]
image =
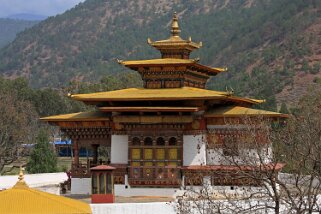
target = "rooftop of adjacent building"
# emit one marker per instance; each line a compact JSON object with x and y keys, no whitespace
{"x":23,"y":199}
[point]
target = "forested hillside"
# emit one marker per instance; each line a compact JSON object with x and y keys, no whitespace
{"x":10,"y":27}
{"x":271,"y":47}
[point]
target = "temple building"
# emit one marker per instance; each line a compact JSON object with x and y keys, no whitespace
{"x":158,"y":135}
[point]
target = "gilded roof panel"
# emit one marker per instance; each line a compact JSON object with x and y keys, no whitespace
{"x":80,"y":116}
{"x":137,"y":94}
{"x":231,"y":111}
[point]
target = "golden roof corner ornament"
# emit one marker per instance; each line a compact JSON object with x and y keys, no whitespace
{"x":175,"y":28}
{"x":120,"y":61}
{"x":230,"y":90}
{"x":190,"y":39}
{"x":149,"y":41}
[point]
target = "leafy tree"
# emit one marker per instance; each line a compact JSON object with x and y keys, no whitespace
{"x":43,"y":158}
{"x":17,"y":125}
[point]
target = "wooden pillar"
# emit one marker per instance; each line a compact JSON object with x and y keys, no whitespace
{"x":76,"y":153}
{"x":95,"y":153}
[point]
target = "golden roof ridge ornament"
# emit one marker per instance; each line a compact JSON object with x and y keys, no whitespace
{"x":175,"y":27}
{"x":21,"y":181}
{"x":21,"y":175}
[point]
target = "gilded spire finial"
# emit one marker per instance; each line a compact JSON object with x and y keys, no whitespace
{"x":21,"y":175}
{"x":21,"y":181}
{"x":175,"y":28}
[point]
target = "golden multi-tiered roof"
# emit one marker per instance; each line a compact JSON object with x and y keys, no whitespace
{"x":173,"y":83}
{"x":174,"y":69}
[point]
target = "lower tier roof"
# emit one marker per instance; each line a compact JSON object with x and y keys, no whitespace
{"x":80,"y":116}
{"x":236,"y":111}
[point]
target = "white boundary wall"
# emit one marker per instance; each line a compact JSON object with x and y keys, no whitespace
{"x":134,"y":208}
{"x":194,"y":150}
{"x":81,"y":186}
{"x":119,"y":149}
{"x":121,"y":190}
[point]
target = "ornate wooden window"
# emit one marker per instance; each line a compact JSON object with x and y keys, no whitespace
{"x":148,"y":141}
{"x":172,"y":141}
{"x":136,"y":141}
{"x":154,"y":159}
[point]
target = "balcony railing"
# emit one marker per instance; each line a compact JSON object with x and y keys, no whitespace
{"x":80,"y":170}
{"x":155,"y":176}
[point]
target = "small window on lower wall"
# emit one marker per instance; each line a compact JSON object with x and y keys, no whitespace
{"x":94,"y":184}
{"x":230,"y":146}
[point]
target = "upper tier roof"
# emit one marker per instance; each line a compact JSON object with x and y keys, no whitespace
{"x":175,"y":42}
{"x":141,"y":94}
{"x":172,"y":62}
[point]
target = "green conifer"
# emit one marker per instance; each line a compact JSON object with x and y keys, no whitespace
{"x":43,"y":158}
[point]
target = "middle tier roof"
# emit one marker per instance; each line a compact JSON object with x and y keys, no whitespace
{"x":142,"y":94}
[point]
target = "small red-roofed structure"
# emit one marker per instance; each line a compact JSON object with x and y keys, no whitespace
{"x":102,"y":187}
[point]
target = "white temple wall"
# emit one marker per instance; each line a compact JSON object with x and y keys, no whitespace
{"x":80,"y":186}
{"x":194,"y":150}
{"x":246,"y":156}
{"x":119,"y":149}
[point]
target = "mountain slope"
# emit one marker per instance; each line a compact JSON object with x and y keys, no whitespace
{"x":27,"y":17}
{"x":10,"y":28}
{"x":268,"y":45}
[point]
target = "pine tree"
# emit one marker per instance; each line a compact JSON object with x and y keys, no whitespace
{"x":284,"y":109}
{"x":43,"y":158}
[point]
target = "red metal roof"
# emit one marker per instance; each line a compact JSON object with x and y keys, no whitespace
{"x":103,"y":167}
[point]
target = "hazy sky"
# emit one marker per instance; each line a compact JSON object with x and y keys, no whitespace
{"x":39,"y":7}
